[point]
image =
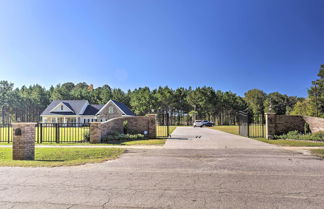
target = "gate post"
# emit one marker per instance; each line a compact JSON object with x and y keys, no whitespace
{"x":95,"y":132}
{"x":152,"y":125}
{"x":23,"y":143}
{"x":270,"y":125}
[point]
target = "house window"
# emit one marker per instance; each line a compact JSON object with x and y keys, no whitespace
{"x":111,"y":109}
{"x":61,"y":107}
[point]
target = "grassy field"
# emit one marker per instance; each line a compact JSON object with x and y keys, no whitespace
{"x":228,"y":129}
{"x":255,"y":130}
{"x":291,"y":143}
{"x":161,"y":131}
{"x":51,"y":157}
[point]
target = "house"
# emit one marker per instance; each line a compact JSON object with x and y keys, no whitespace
{"x":80,"y":111}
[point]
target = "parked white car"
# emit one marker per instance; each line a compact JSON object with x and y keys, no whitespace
{"x":198,"y":123}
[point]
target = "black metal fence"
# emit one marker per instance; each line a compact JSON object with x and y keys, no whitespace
{"x":62,"y":132}
{"x":252,"y":125}
{"x":5,"y":133}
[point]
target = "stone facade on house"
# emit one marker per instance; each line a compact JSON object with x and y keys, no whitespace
{"x":136,"y":124}
{"x":282,"y":124}
{"x":110,"y":111}
{"x":23,"y":145}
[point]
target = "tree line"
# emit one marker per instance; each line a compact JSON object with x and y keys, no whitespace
{"x":182,"y":104}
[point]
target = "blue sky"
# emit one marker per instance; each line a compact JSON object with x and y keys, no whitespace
{"x":233,"y":45}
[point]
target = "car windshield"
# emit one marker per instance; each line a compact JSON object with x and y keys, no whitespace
{"x":198,"y":120}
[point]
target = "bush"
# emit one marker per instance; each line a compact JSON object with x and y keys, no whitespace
{"x":319,"y":136}
{"x":86,"y":136}
{"x":118,"y":136}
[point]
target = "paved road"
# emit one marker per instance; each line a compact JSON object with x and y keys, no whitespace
{"x":215,"y":171}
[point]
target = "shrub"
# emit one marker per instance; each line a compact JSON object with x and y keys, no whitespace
{"x":86,"y":136}
{"x":319,"y":136}
{"x":118,"y":136}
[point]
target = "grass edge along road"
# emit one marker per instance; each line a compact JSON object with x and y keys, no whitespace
{"x":280,"y":142}
{"x":53,"y":157}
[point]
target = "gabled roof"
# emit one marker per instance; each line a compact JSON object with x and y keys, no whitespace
{"x":92,"y":109}
{"x":121,"y":106}
{"x":75,"y":105}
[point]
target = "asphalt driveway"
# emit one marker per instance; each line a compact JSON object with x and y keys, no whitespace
{"x":199,"y":168}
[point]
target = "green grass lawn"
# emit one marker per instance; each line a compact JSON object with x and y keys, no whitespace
{"x":51,"y":157}
{"x":291,"y":143}
{"x":228,"y":129}
{"x":161,"y":131}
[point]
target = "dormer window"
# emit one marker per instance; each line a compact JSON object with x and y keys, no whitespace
{"x":62,"y":107}
{"x":111,"y":109}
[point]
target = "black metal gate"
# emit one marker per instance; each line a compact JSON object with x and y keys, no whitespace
{"x":251,"y":125}
{"x":243,"y":124}
{"x":5,"y":133}
{"x":163,"y":125}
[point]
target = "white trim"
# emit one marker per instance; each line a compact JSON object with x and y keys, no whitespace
{"x":98,"y":113}
{"x":61,"y":103}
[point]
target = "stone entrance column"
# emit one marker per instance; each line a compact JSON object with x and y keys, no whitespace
{"x":23,"y":145}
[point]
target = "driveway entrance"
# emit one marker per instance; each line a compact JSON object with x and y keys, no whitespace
{"x":213,"y":171}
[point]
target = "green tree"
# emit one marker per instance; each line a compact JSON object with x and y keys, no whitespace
{"x":255,"y":99}
{"x":141,"y":101}
{"x":316,"y":94}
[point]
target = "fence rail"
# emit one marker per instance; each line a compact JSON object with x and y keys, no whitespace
{"x":5,"y":133}
{"x":62,"y":132}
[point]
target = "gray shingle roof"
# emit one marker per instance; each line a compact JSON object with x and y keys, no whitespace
{"x":75,"y":105}
{"x":92,"y":109}
{"x":124,"y":108}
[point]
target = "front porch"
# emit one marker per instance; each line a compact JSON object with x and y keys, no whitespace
{"x":60,"y":119}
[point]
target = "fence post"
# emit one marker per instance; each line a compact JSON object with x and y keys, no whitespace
{"x":57,"y":128}
{"x":168,"y":131}
{"x":8,"y":133}
{"x":270,"y":125}
{"x":40,"y":135}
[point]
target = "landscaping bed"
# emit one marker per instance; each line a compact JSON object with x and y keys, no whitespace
{"x":295,"y":135}
{"x":52,"y":157}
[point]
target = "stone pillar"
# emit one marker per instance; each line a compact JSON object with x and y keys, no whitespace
{"x":270,"y":125}
{"x":95,"y":132}
{"x":23,"y":145}
{"x":152,"y":125}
